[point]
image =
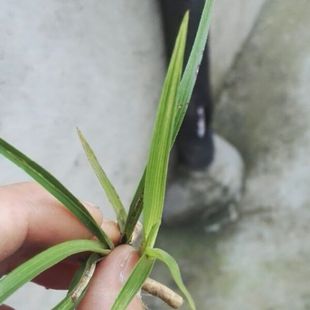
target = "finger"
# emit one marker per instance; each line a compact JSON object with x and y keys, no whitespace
{"x":5,"y":307}
{"x":109,"y":278}
{"x":58,"y":277}
{"x":32,"y":220}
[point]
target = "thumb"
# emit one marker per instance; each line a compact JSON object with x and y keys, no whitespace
{"x":109,"y":278}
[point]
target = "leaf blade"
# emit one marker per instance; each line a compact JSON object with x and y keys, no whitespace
{"x":52,"y":185}
{"x":79,"y":284}
{"x":157,"y":165}
{"x":134,"y":282}
{"x":185,"y":90}
{"x":172,"y":265}
{"x":134,"y":212}
{"x":44,"y":260}
{"x":189,"y":77}
{"x":106,"y":184}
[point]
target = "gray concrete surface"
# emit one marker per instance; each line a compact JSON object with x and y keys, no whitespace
{"x":262,"y":261}
{"x":231,"y":25}
{"x":67,"y":63}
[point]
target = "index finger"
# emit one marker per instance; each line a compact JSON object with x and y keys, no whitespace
{"x":32,"y":220}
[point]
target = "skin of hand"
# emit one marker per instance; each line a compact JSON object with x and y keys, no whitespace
{"x":32,"y":220}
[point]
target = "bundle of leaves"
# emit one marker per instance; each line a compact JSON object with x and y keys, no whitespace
{"x":148,"y":198}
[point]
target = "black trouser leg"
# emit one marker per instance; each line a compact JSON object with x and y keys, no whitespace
{"x":194,"y":143}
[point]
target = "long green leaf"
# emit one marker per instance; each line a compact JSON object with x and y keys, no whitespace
{"x":184,"y":93}
{"x":52,"y":185}
{"x":174,"y":270}
{"x":65,"y":304}
{"x":44,"y":260}
{"x":134,"y":212}
{"x":157,"y":166}
{"x":79,"y":284}
{"x":188,"y":80}
{"x":107,"y":186}
{"x":134,"y":282}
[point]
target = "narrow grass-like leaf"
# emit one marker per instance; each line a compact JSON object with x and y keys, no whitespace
{"x":107,"y":186}
{"x":79,"y":274}
{"x":44,"y":260}
{"x":189,"y":77}
{"x":134,"y":282}
{"x":157,"y":166}
{"x":184,"y":93}
{"x":79,"y":284}
{"x":174,"y":270}
{"x":134,"y":212}
{"x":151,"y":237}
{"x":66,"y":304}
{"x":52,"y":185}
{"x":79,"y":290}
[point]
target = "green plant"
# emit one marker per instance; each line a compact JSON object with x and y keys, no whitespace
{"x":148,"y":199}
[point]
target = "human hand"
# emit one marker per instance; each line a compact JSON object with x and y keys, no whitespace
{"x":31,"y":220}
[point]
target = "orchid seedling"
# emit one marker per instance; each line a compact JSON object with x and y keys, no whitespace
{"x":148,"y":200}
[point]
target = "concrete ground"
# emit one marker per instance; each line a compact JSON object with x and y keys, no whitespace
{"x":262,"y":261}
{"x":67,"y":63}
